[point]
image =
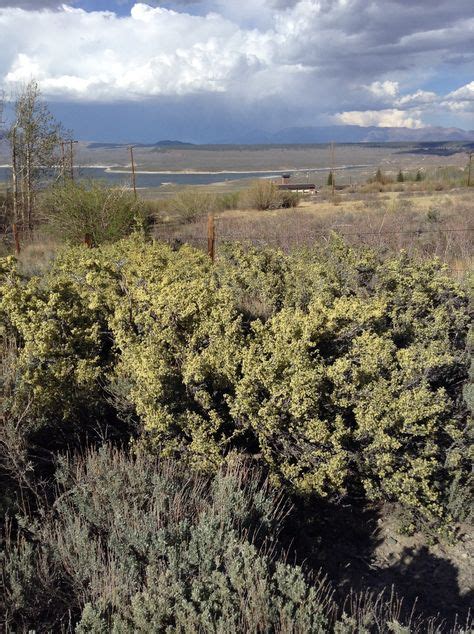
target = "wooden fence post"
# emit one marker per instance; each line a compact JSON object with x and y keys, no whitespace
{"x":88,"y":240}
{"x":16,"y":238}
{"x":134,"y":180}
{"x":211,"y":236}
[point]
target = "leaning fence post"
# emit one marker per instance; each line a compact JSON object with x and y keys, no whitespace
{"x":16,"y":238}
{"x":88,"y":240}
{"x":211,"y":236}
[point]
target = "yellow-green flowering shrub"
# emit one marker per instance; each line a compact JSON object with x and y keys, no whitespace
{"x":255,"y":277}
{"x":358,"y":377}
{"x":339,"y":369}
{"x":178,"y":338}
{"x":62,"y":350}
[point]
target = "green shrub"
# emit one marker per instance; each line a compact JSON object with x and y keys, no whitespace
{"x":63,"y":350}
{"x":228,"y":201}
{"x":339,"y":369}
{"x":262,"y":195}
{"x":288,"y":199}
{"x":105,"y":214}
{"x":191,"y":204}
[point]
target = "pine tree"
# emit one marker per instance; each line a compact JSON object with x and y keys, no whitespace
{"x":400,"y":177}
{"x":419,"y":176}
{"x":379,"y":176}
{"x":330,"y":179}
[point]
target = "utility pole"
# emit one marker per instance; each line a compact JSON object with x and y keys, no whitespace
{"x":63,"y":159}
{"x":333,"y":180}
{"x":469,"y":170}
{"x":134,"y":182}
{"x":71,"y":158}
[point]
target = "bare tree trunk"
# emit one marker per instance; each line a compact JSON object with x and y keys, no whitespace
{"x":29,"y":190}
{"x":21,"y":171}
{"x":14,"y":176}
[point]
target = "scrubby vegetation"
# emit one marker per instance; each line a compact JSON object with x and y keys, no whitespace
{"x":191,"y":204}
{"x":105,"y":214}
{"x":337,"y":372}
{"x":420,"y":180}
{"x":264,"y":195}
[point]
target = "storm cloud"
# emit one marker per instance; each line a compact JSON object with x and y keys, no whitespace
{"x":387,"y":62}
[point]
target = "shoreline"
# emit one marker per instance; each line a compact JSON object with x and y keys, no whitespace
{"x":277,"y":171}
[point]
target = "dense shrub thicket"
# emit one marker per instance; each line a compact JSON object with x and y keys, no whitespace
{"x":340,"y":370}
{"x":337,"y":371}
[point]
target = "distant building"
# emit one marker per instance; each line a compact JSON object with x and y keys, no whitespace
{"x":304,"y":188}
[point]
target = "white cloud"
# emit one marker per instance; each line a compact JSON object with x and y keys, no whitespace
{"x":312,"y":57}
{"x":418,"y":98}
{"x":460,"y":101}
{"x":465,"y":93}
{"x":389,"y":118}
{"x":152,"y":52}
{"x":384,"y":88}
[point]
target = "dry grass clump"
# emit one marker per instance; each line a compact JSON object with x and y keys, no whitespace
{"x":424,"y":224}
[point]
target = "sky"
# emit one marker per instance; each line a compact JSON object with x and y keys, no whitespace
{"x":217,"y":70}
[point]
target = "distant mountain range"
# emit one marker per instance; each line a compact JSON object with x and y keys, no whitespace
{"x":321,"y":134}
{"x":117,"y":146}
{"x":359,"y":134}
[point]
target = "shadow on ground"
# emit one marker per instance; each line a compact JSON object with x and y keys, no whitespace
{"x":360,"y":550}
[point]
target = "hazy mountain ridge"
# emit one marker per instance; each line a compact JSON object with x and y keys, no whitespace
{"x":360,"y":134}
{"x":318,"y":134}
{"x":118,"y":146}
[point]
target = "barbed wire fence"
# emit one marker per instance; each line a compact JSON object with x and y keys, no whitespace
{"x":211,"y":232}
{"x":220,"y":230}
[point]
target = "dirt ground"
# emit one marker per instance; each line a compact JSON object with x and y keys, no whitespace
{"x":361,"y":549}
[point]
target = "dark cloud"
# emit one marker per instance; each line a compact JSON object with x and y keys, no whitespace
{"x":299,"y":60}
{"x":31,"y":4}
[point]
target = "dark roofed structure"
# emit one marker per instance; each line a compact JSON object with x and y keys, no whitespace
{"x":286,"y":185}
{"x":297,"y":187}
